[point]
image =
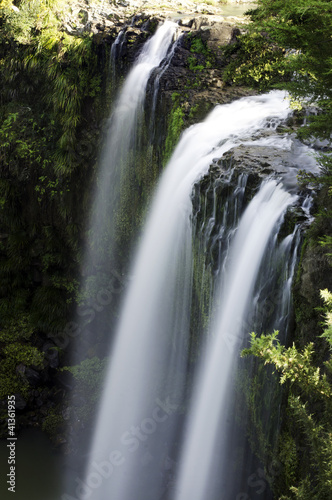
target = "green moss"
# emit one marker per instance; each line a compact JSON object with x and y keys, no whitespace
{"x":16,"y":349}
{"x":89,"y":375}
{"x":175,"y":126}
{"x":193,"y":66}
{"x":202,"y":57}
{"x":52,"y":422}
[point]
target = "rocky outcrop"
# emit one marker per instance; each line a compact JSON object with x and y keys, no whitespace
{"x":314,"y":274}
{"x":94,"y":17}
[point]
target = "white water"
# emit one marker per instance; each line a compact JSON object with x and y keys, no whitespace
{"x":146,"y":376}
{"x":123,"y":137}
{"x":117,"y":159}
{"x":211,"y":400}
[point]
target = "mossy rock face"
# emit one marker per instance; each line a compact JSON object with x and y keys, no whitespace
{"x":314,"y":274}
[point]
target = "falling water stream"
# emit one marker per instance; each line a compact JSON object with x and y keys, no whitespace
{"x":146,"y":379}
{"x":117,"y":161}
{"x":121,"y":146}
{"x":209,"y":412}
{"x":146,"y":387}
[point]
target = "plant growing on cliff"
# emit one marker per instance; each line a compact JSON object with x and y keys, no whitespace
{"x":303,"y":29}
{"x":47,"y":78}
{"x":308,"y":468}
{"x":254,"y":61}
{"x":16,"y":350}
{"x":175,"y":126}
{"x":88,"y":376}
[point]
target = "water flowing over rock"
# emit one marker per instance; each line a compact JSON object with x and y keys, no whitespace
{"x":146,"y":384}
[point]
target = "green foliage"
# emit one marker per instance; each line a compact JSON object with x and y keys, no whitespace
{"x":175,"y":126}
{"x":309,"y":411}
{"x":30,"y":16}
{"x":89,"y":375}
{"x":36,"y":57}
{"x":52,"y":422}
{"x":47,"y":78}
{"x":303,"y":29}
{"x":288,"y":457}
{"x":198,"y":46}
{"x":89,"y":372}
{"x":254,"y":61}
{"x":202,"y":57}
{"x":294,"y":366}
{"x":15,"y":350}
{"x":193,"y":66}
{"x":327,"y":297}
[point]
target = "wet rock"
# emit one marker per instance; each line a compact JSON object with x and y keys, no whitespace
{"x":20,"y":402}
{"x":32,"y":376}
{"x":260,"y":160}
{"x":51,"y":355}
{"x":20,"y":370}
{"x":66,"y":413}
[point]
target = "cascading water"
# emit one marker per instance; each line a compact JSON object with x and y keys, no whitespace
{"x":101,"y":279}
{"x":147,"y":373}
{"x":253,"y":293}
{"x":209,"y":415}
{"x":118,"y":158}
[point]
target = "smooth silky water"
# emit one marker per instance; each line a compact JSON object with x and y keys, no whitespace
{"x":145,"y":386}
{"x":102,"y":282}
{"x":144,"y":434}
{"x":144,"y":408}
{"x":117,"y":160}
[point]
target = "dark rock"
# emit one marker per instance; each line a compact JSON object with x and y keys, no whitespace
{"x":20,"y":403}
{"x":65,"y":379}
{"x":32,"y":376}
{"x":66,"y":413}
{"x":51,"y":354}
{"x":20,"y":370}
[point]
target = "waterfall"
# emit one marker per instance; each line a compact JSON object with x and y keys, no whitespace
{"x":101,"y":273}
{"x":102,"y":282}
{"x":146,"y":381}
{"x":209,"y":415}
{"x":122,"y":141}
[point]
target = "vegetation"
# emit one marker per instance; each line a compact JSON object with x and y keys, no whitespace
{"x":48,"y":80}
{"x":300,"y":33}
{"x":16,"y":350}
{"x":305,"y":448}
{"x":258,"y":62}
{"x":303,"y":30}
{"x":175,"y":126}
{"x":88,"y":376}
{"x":46,"y":77}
